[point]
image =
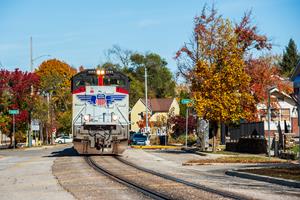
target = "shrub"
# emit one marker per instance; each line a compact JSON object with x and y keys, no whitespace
{"x":192,"y":139}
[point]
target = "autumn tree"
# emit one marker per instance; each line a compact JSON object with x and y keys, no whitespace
{"x":265,"y":74}
{"x":17,"y":91}
{"x":55,"y":83}
{"x":213,"y":63}
{"x":290,"y":59}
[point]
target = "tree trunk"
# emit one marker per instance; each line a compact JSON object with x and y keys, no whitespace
{"x":218,"y":136}
{"x":215,"y":131}
{"x":41,"y":134}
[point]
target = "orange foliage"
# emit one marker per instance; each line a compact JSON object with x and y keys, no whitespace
{"x":264,"y":75}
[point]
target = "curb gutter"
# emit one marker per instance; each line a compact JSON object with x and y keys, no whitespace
{"x":279,"y":181}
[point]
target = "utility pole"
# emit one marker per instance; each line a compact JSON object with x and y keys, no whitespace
{"x":186,"y":125}
{"x":146,"y":96}
{"x":14,"y":135}
{"x":269,"y":122}
{"x":31,"y":60}
{"x":31,"y":70}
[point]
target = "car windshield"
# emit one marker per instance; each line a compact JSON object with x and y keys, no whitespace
{"x":140,"y":136}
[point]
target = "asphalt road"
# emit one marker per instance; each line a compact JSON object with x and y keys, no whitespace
{"x":170,"y":163}
{"x":27,"y":174}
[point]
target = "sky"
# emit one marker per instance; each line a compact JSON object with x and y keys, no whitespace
{"x":79,"y":32}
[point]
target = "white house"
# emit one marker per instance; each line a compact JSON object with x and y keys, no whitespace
{"x":284,"y":110}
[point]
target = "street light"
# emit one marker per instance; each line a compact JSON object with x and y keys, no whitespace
{"x":31,"y":69}
{"x":34,"y":59}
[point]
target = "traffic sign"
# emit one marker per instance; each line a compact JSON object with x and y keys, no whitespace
{"x":186,"y":101}
{"x":35,"y":125}
{"x":13,"y":112}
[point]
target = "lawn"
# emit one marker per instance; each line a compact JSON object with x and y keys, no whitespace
{"x":235,"y":159}
{"x":292,"y":173}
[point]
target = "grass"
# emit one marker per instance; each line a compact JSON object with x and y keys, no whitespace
{"x":235,"y":159}
{"x":295,"y":149}
{"x":225,"y":153}
{"x":292,"y":173}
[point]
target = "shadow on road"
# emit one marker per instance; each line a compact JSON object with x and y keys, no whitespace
{"x":63,"y":153}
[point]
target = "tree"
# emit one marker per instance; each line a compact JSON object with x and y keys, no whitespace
{"x":55,"y":78}
{"x":264,"y":75}
{"x":290,"y":59}
{"x":17,"y":91}
{"x":213,"y":62}
{"x":120,"y":56}
{"x":160,"y":80}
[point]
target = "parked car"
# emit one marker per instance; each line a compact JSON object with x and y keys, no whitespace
{"x":139,"y":139}
{"x":63,"y":139}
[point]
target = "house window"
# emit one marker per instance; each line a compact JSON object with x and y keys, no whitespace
{"x":263,"y":115}
{"x":274,"y":115}
{"x":285,"y":114}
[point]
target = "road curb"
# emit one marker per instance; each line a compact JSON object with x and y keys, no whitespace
{"x":279,"y":181}
{"x":154,"y":147}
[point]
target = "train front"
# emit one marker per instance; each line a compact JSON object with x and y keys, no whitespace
{"x":100,"y":109}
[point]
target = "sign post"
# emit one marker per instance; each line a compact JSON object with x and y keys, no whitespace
{"x":13,"y":113}
{"x":186,"y":101}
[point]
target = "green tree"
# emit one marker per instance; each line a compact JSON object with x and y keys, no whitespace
{"x":290,"y":59}
{"x":160,"y":79}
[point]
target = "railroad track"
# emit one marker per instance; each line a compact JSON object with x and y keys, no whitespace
{"x":109,"y":165}
{"x":144,"y":190}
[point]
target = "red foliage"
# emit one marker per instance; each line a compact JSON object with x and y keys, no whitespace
{"x":265,"y":75}
{"x":205,"y":27}
{"x":248,"y":36}
{"x":18,"y":86}
{"x":179,"y":123}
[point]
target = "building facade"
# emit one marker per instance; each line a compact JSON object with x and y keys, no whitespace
{"x":158,"y":110}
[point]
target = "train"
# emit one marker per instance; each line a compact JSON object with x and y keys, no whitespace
{"x":100,"y":111}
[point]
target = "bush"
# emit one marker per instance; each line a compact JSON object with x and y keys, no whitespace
{"x":154,"y":140}
{"x":20,"y":137}
{"x":192,"y":139}
{"x":295,"y":149}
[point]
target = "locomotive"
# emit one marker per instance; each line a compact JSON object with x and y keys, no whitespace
{"x":100,"y":110}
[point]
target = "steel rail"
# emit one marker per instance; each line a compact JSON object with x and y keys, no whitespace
{"x":143,"y":190}
{"x":194,"y":185}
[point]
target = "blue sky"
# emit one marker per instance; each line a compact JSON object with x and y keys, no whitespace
{"x":79,"y":32}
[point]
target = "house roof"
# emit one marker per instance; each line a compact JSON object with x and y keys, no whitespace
{"x":159,"y":105}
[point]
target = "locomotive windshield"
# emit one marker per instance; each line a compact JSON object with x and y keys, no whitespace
{"x":90,"y":78}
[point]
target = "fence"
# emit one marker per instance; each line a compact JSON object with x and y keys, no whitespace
{"x":246,"y":130}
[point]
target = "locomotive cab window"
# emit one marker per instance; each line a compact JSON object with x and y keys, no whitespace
{"x":90,"y":78}
{"x":82,"y":80}
{"x":114,"y":82}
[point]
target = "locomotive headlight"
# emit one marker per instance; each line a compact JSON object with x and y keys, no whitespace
{"x":115,"y":117}
{"x":86,"y":118}
{"x":100,"y":72}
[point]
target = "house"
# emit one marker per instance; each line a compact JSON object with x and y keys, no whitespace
{"x":158,"y":108}
{"x":283,"y":111}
